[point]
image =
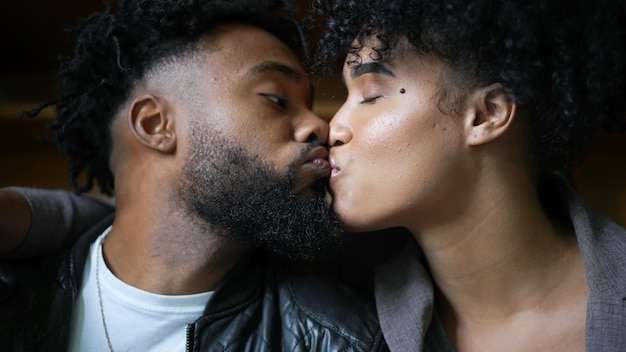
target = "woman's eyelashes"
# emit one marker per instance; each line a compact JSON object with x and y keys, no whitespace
{"x":372,"y":92}
{"x":370,"y":100}
{"x":277,"y":99}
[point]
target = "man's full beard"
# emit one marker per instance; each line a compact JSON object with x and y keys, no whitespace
{"x":252,"y":203}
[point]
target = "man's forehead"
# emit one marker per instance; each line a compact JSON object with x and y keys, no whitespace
{"x":275,"y":67}
{"x":252,"y":50}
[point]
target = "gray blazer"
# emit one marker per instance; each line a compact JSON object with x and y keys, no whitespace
{"x":404,"y":291}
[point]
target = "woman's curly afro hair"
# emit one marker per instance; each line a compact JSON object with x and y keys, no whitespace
{"x":563,"y":60}
{"x":115,"y":48}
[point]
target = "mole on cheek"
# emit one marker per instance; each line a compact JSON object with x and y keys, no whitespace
{"x":402,"y":90}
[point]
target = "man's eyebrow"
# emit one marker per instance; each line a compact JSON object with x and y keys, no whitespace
{"x":272,"y":66}
{"x":370,"y":67}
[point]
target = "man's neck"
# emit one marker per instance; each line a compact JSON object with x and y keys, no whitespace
{"x":168,"y":257}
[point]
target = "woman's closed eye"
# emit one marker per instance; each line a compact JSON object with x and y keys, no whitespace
{"x":373,"y":91}
{"x":370,"y":100}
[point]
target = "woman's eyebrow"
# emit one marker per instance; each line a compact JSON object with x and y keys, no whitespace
{"x":370,"y":67}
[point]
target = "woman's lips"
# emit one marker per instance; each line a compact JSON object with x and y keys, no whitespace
{"x":334,"y":169}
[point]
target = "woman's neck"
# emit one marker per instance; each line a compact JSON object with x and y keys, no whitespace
{"x":502,"y":256}
{"x":508,"y":277}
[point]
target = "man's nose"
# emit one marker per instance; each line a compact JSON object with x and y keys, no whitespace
{"x":310,"y":128}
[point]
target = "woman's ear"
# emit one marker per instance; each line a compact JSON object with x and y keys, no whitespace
{"x":151,"y":123}
{"x":490,"y":113}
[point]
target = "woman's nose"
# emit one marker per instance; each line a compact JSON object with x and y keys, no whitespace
{"x":340,"y":131}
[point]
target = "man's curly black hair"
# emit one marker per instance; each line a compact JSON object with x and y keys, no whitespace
{"x":563,"y":60}
{"x":115,"y":48}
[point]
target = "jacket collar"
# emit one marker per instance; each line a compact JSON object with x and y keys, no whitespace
{"x":603,"y":246}
{"x":404,"y":299}
{"x":78,"y":255}
{"x":241,"y":285}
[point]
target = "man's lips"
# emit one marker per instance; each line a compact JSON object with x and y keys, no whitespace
{"x":317,"y":160}
{"x":314,"y":166}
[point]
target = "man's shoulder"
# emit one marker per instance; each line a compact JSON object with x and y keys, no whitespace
{"x":31,"y":293}
{"x":37,"y":295}
{"x":316,"y":305}
{"x":30,"y":275}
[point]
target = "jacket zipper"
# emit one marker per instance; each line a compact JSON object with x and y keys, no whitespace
{"x":189,"y":332}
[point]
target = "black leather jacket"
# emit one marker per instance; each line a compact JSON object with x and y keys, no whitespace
{"x":265,"y":304}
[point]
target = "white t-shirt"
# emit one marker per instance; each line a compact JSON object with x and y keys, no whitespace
{"x":136,"y":320}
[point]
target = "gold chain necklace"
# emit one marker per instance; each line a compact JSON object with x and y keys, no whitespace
{"x":104,"y":322}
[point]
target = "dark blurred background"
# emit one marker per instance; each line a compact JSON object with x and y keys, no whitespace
{"x":32,"y":33}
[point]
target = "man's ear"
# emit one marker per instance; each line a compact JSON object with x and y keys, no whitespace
{"x":490,"y":113}
{"x":151,"y":124}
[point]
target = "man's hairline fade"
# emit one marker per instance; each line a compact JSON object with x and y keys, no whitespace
{"x":115,"y":48}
